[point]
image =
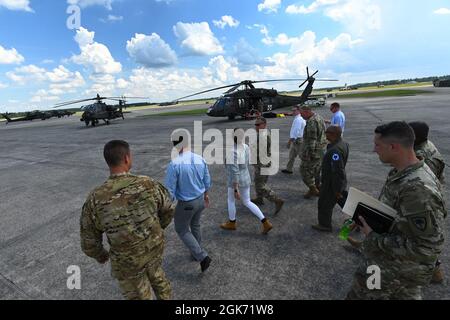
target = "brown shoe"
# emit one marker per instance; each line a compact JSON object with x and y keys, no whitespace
{"x":267,"y":226}
{"x":319,"y":227}
{"x":258,"y":201}
{"x":438,"y":275}
{"x":354,"y":243}
{"x":278,"y":205}
{"x":230,"y":225}
{"x":313,"y":192}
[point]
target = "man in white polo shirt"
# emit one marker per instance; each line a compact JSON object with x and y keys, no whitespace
{"x":295,"y":139}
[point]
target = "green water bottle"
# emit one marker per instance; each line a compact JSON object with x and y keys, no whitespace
{"x":345,"y":230}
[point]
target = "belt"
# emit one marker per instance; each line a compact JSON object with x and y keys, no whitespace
{"x":182,"y":201}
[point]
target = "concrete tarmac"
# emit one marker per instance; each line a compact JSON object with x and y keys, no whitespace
{"x":47,"y":168}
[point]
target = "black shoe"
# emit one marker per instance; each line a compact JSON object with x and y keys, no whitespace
{"x":205,"y":263}
{"x":287,"y":171}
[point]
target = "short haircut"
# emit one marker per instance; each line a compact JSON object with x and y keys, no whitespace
{"x":306,"y":108}
{"x":335,"y":130}
{"x":261,"y":120}
{"x":177,"y":141}
{"x":296,"y":107}
{"x":421,"y":131}
{"x":115,"y":151}
{"x":397,"y":132}
{"x":335,"y":105}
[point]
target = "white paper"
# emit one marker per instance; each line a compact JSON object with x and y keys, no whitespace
{"x":356,"y":196}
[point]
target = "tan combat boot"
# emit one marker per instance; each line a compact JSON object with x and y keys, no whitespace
{"x":267,"y":226}
{"x":230,"y":225}
{"x":438,"y":275}
{"x":313,"y":192}
{"x":278,"y":205}
{"x":258,"y":201}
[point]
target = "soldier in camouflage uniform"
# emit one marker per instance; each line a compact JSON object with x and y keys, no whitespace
{"x":426,"y":151}
{"x":133,"y":212}
{"x":262,"y":189}
{"x":314,"y":145}
{"x":407,"y":254}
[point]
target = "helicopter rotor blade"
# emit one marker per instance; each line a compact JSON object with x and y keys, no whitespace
{"x":303,"y":83}
{"x":72,"y":102}
{"x":206,"y":91}
{"x":233,"y":89}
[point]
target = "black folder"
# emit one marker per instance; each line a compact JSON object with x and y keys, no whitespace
{"x":379,"y":222}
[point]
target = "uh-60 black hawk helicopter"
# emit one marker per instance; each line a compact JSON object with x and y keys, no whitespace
{"x":93,"y":113}
{"x":253,"y":101}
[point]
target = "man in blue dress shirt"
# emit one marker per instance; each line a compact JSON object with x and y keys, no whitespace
{"x":338,"y":118}
{"x":188,"y":181}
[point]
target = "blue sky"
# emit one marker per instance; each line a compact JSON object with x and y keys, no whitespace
{"x":165,"y":49}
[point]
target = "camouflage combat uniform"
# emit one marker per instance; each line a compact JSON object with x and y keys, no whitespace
{"x":430,"y":154}
{"x":133,"y":211}
{"x":262,"y":189}
{"x":408,"y":253}
{"x":314,"y":145}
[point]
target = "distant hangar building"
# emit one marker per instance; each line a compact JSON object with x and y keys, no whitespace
{"x":441,"y":83}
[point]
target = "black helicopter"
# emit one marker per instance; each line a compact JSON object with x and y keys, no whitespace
{"x":251,"y":100}
{"x":29,"y":116}
{"x":99,"y":110}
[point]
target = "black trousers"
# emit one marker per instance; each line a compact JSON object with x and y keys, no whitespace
{"x":327,"y":201}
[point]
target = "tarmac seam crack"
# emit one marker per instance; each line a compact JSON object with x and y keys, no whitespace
{"x":10,"y":284}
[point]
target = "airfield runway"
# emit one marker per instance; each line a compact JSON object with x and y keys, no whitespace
{"x":47,"y":168}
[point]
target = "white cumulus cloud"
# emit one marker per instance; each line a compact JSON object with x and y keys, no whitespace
{"x":60,"y":79}
{"x":247,"y":56}
{"x":94,"y":55}
{"x":267,"y":40}
{"x":197,"y":38}
{"x":10,"y":56}
{"x":269,"y":6}
{"x":313,"y":7}
{"x":112,"y":18}
{"x":87,"y":3}
{"x":17,"y":5}
{"x":24,"y":74}
{"x":151,"y":51}
{"x":226,"y":21}
{"x":442,"y":11}
{"x":307,"y":50}
{"x":356,"y":15}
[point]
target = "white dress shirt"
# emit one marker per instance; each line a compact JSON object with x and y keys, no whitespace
{"x":298,"y":126}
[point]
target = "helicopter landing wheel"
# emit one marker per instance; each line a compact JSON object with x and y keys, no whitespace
{"x":87,"y":123}
{"x":231,"y":117}
{"x":107,"y":122}
{"x":93,"y":123}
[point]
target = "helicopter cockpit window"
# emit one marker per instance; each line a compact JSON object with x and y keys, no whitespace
{"x":221,"y":103}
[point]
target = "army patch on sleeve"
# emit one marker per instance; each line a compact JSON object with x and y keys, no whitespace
{"x":335,"y":157}
{"x":420,"y":223}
